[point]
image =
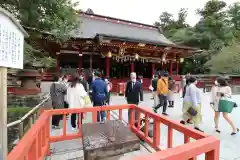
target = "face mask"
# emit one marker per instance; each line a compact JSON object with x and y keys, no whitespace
{"x":216,"y":83}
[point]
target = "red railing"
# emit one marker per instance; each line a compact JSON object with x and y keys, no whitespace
{"x":35,"y":144}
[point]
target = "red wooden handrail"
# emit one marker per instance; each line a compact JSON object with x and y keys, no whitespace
{"x":35,"y":144}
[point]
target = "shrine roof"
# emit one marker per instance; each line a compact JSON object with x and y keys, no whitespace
{"x":93,"y":25}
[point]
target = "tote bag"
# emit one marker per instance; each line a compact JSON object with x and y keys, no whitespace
{"x":226,"y":104}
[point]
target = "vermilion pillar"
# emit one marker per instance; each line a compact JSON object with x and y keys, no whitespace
{"x":171,"y":68}
{"x":153,"y":68}
{"x":177,"y":67}
{"x":107,"y":66}
{"x":132,"y":67}
{"x":80,"y":64}
{"x":58,"y":65}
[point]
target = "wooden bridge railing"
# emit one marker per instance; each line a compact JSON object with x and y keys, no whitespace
{"x":26,"y":122}
{"x":35,"y":145}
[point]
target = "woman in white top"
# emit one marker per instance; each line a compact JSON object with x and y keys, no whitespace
{"x":75,"y":97}
{"x":109,"y":87}
{"x":221,"y":89}
{"x":192,"y":99}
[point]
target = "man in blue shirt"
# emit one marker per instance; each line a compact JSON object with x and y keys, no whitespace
{"x":99,"y":95}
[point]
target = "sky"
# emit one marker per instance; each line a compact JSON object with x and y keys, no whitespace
{"x":144,"y":11}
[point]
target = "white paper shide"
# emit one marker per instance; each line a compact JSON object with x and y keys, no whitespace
{"x":11,"y":44}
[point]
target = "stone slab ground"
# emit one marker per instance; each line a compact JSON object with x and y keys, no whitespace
{"x":229,"y":149}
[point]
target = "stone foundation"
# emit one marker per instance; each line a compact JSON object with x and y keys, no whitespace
{"x":102,"y":141}
{"x":25,"y":101}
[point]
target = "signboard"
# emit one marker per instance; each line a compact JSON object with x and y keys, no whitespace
{"x":11,"y":56}
{"x":11,"y":44}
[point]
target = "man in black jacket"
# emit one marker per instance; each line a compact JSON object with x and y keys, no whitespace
{"x":84,"y":83}
{"x":154,"y":87}
{"x":133,"y":92}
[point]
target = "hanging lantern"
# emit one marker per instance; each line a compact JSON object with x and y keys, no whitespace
{"x":136,"y":56}
{"x":164,"y":58}
{"x":109,"y":54}
{"x":181,"y":60}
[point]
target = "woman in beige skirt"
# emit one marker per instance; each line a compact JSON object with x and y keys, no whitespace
{"x":192,"y":99}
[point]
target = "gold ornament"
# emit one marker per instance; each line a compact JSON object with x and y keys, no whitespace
{"x":109,"y":54}
{"x":181,"y":60}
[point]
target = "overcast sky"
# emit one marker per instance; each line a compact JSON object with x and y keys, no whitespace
{"x":144,"y":11}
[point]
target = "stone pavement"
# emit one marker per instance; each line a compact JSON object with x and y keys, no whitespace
{"x":229,"y":144}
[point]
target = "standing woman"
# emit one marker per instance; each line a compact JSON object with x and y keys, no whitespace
{"x":109,"y":88}
{"x":223,"y":90}
{"x":57,"y":92}
{"x":171,"y":91}
{"x":192,"y":104}
{"x":76,"y":98}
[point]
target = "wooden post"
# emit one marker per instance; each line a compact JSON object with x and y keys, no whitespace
{"x":21,"y":130}
{"x":153,"y":68}
{"x":3,"y":112}
{"x":107,"y":66}
{"x":177,"y":67}
{"x":80,"y":64}
{"x":171,"y":68}
{"x":91,"y":61}
{"x":132,"y":67}
{"x":31,"y":121}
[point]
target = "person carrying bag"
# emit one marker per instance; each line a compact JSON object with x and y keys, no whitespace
{"x":224,"y":104}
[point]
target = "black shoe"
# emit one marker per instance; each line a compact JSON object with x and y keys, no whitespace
{"x":165,"y":114}
{"x":198,"y":129}
{"x":234,"y":133}
{"x":218,"y":131}
{"x":170,"y":106}
{"x":182,"y":122}
{"x":189,"y":121}
{"x":154,"y":110}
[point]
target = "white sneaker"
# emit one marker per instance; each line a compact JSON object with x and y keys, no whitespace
{"x":74,"y":129}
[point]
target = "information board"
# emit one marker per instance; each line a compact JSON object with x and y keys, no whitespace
{"x":11,"y":45}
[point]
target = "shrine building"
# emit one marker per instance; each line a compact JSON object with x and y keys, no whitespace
{"x":116,"y":47}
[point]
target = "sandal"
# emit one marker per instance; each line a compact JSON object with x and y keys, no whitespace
{"x":234,"y":133}
{"x":217,"y":130}
{"x":182,"y":122}
{"x":198,"y":129}
{"x":189,"y":121}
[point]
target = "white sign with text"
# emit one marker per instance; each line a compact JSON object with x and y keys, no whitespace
{"x":11,"y":44}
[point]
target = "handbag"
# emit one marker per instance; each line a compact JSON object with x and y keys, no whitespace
{"x":226,"y":104}
{"x":87,"y":100}
{"x":192,"y":111}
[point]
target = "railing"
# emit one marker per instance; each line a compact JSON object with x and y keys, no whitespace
{"x":30,"y":117}
{"x":35,"y":144}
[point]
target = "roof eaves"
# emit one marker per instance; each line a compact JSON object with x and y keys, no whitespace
{"x":14,"y":20}
{"x":144,"y":41}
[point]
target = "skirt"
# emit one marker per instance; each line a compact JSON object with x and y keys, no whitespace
{"x":195,"y":119}
{"x":170,"y":96}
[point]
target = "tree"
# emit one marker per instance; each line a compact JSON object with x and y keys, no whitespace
{"x":171,"y":26}
{"x":228,"y":60}
{"x":234,"y":16}
{"x":57,"y":17}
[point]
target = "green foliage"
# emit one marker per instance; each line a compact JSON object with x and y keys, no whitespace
{"x":57,"y":17}
{"x":228,"y":60}
{"x":218,"y":28}
{"x":14,"y":113}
